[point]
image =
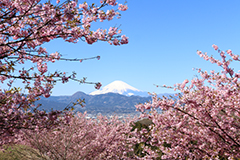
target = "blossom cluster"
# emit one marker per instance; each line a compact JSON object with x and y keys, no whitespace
{"x":203,"y":122}
{"x":25,"y":25}
{"x":83,"y":138}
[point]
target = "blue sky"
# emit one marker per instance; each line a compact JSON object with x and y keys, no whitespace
{"x":163,"y":39}
{"x":164,"y":36}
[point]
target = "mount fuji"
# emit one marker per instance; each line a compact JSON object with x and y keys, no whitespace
{"x":122,"y":88}
{"x":116,"y":97}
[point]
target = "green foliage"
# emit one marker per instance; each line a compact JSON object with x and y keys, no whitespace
{"x":144,"y":123}
{"x":139,"y":147}
{"x":165,"y":144}
{"x":20,"y":152}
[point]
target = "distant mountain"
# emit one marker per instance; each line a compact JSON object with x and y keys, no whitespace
{"x":102,"y":103}
{"x":108,"y":103}
{"x":118,"y":97}
{"x":120,"y":87}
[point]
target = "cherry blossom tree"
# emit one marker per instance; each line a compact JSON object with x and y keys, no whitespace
{"x":203,"y":123}
{"x":25,"y":25}
{"x":82,"y":138}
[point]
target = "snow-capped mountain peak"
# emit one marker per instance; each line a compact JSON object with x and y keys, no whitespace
{"x":119,"y":87}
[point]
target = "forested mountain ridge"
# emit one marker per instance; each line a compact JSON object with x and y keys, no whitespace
{"x":102,"y":103}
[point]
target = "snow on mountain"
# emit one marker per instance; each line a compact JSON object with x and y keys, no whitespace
{"x":119,"y":87}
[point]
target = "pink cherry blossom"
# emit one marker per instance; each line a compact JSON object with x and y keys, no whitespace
{"x":27,"y":25}
{"x":98,"y":85}
{"x":122,"y":7}
{"x":202,"y":122}
{"x":215,"y":47}
{"x":82,"y":138}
